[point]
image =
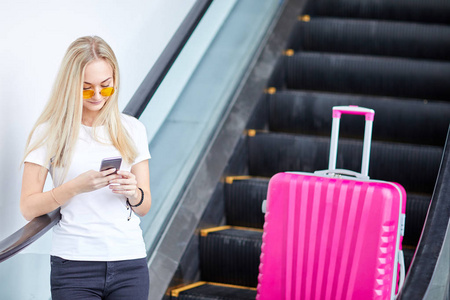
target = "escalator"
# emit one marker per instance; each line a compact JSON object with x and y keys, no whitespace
{"x":392,"y":57}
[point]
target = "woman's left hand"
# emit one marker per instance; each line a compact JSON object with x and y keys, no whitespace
{"x":125,"y":185}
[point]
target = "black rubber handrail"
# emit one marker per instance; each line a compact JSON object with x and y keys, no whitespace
{"x":28,"y":234}
{"x":420,"y":274}
{"x":40,"y":225}
{"x":159,"y":70}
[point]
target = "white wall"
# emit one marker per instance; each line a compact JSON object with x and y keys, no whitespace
{"x":34,"y":36}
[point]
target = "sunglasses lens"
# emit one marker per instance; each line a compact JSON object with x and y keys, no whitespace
{"x":106,"y":92}
{"x":88,"y":94}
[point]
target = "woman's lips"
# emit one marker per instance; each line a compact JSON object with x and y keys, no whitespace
{"x":95,"y":102}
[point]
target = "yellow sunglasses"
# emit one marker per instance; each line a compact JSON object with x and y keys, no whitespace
{"x":105,"y":92}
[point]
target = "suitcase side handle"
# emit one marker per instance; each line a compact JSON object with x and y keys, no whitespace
{"x":401,"y":262}
{"x":339,"y":172}
{"x":354,"y":110}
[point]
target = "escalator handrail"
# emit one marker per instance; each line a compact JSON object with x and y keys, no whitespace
{"x":431,"y":241}
{"x":28,"y":234}
{"x":37,"y":227}
{"x":162,"y":65}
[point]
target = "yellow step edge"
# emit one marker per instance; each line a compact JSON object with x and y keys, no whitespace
{"x":304,"y":18}
{"x":408,"y":247}
{"x":253,"y":132}
{"x":250,"y":132}
{"x":230,"y":179}
{"x":247,"y":228}
{"x":204,"y":232}
{"x":270,"y":90}
{"x":232,"y":286}
{"x":288,"y":52}
{"x":176,"y":292}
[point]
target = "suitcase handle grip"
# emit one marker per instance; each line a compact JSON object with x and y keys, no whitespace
{"x":337,"y":172}
{"x":355,"y":110}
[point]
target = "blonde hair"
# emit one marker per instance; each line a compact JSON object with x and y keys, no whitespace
{"x":63,"y":112}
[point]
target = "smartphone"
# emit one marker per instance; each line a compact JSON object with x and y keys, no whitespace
{"x":111,"y":162}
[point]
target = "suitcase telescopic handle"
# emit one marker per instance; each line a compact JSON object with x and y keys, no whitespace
{"x":352,"y":110}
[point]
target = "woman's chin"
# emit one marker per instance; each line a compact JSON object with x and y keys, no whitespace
{"x":93,"y":105}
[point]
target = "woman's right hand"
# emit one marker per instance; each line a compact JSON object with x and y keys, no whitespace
{"x":34,"y":202}
{"x":94,"y":180}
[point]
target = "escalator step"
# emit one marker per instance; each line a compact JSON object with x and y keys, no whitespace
{"x":369,"y":37}
{"x":416,"y":213}
{"x":408,"y":254}
{"x":213,"y":291}
{"x":400,"y":120}
{"x":243,"y":201}
{"x":230,"y":255}
{"x":430,"y":11}
{"x":370,"y":75}
{"x":413,"y":166}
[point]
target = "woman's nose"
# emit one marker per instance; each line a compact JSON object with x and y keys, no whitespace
{"x":97,"y":93}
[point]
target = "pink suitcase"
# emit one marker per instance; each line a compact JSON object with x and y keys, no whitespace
{"x":334,"y":234}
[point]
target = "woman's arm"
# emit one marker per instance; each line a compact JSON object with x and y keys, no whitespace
{"x":129,"y":183}
{"x":142,"y":173}
{"x":34,"y":202}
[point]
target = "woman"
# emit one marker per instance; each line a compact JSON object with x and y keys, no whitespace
{"x":97,"y":250}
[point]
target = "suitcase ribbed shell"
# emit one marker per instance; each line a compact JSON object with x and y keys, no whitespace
{"x":330,"y":238}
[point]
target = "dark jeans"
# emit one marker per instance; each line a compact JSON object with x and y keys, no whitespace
{"x":126,"y":279}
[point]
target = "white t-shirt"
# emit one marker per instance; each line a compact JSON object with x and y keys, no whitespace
{"x":94,"y":226}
